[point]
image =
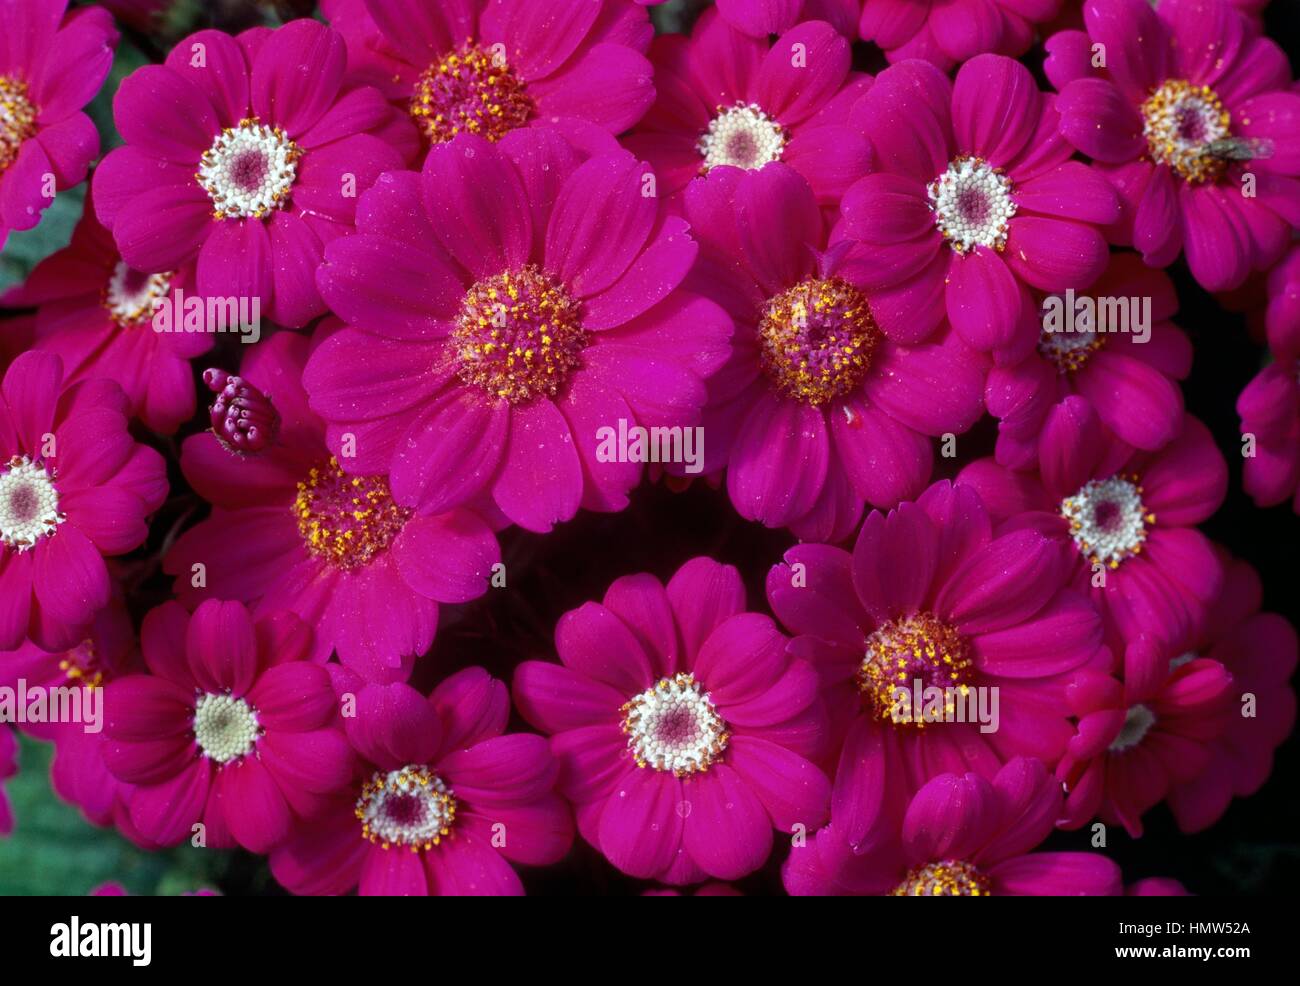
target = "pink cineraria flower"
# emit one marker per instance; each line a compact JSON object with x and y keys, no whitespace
{"x":728,"y":99}
{"x":245,"y":156}
{"x":1128,"y":514}
{"x":1192,"y":120}
{"x":50,"y":67}
{"x":1269,"y":408}
{"x":828,"y":398}
{"x":681,"y":725}
{"x":947,"y":32}
{"x":233,"y":732}
{"x":291,"y":531}
{"x":8,"y":767}
{"x":78,"y":773}
{"x":1259,"y":651}
{"x":509,"y":306}
{"x":445,"y":802}
{"x":487,"y":67}
{"x":930,"y":599}
{"x":1130,"y":377}
{"x":962,"y":836}
{"x":973,"y":200}
{"x":96,"y":312}
{"x":759,"y":18}
{"x":74,"y":486}
{"x":1137,"y":738}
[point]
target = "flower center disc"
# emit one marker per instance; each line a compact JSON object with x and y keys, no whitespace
{"x":673,"y":726}
{"x":742,"y":136}
{"x":518,"y":335}
{"x":1069,"y":351}
{"x":130,"y":295}
{"x":408,"y":807}
{"x":817,"y":340}
{"x":950,"y":878}
{"x":470,"y":90}
{"x":1180,"y":121}
{"x":29,"y":504}
{"x":81,"y":667}
{"x":972,"y":204}
{"x":17,"y":119}
{"x":1107,"y":519}
{"x":915,"y":648}
{"x":225,"y":727}
{"x":346,"y":520}
{"x":249,"y":170}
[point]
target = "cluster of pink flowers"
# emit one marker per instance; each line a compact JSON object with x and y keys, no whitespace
{"x":478,"y":264}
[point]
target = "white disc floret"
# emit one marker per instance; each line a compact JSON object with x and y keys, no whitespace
{"x":29,"y":504}
{"x":742,"y":136}
{"x":249,"y":170}
{"x":674,"y":726}
{"x":225,"y":727}
{"x":972,"y":204}
{"x":1108,"y":520}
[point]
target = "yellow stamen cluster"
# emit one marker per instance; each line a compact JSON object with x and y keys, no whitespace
{"x":80,"y":667}
{"x":902,"y":651}
{"x":1070,"y":351}
{"x":817,"y":340}
{"x":950,"y":878}
{"x":518,"y":335}
{"x":470,"y":90}
{"x":409,"y":807}
{"x":346,"y":520}
{"x":1180,"y":121}
{"x":17,"y":119}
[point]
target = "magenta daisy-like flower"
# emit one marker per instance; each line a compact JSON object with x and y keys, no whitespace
{"x":1269,"y":408}
{"x":681,"y":725}
{"x":930,"y":599}
{"x":50,"y":67}
{"x":963,"y":835}
{"x":508,"y":306}
{"x":233,"y":729}
{"x":95,"y":311}
{"x":759,"y":18}
{"x":290,"y":530}
{"x":1259,"y":651}
{"x":1193,"y":122}
{"x":828,"y":398}
{"x":444,"y":803}
{"x":78,"y":773}
{"x":487,"y":67}
{"x":74,"y":487}
{"x":245,"y":156}
{"x":973,"y":200}
{"x":1130,"y":378}
{"x":1137,"y":738}
{"x":1129,"y":516}
{"x":946,"y":32}
{"x":725,"y":98}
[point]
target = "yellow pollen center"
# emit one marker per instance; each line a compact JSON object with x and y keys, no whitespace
{"x":905,"y":651}
{"x":470,"y":90}
{"x":346,"y":520}
{"x":950,"y":878}
{"x":1187,"y":128}
{"x":518,"y":335}
{"x":17,"y":119}
{"x":80,"y":667}
{"x":817,"y":340}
